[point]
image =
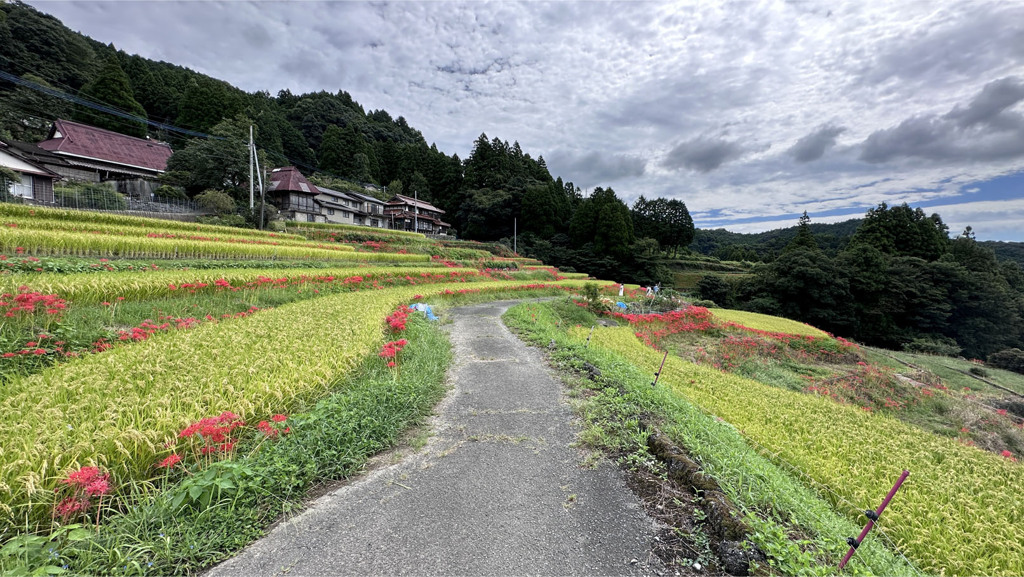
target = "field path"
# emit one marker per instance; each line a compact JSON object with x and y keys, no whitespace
{"x":498,"y":490}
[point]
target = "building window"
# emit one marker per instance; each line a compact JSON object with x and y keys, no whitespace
{"x":301,"y":203}
{"x":346,"y":214}
{"x":330,"y":212}
{"x":375,"y":223}
{"x":23,"y":188}
{"x":310,"y":217}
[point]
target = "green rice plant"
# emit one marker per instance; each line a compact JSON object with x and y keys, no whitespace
{"x":960,"y":512}
{"x":88,"y":288}
{"x":760,"y":322}
{"x":527,"y":261}
{"x":12,"y":212}
{"x":119,"y":409}
{"x":367,"y":411}
{"x":382,"y":232}
{"x":773,"y":499}
{"x":35,"y":242}
{"x":151,"y":232}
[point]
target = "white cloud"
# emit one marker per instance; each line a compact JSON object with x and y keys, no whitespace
{"x":768,"y":108}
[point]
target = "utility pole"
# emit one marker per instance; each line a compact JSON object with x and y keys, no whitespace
{"x":515,"y":231}
{"x":252,"y":153}
{"x":416,"y":211}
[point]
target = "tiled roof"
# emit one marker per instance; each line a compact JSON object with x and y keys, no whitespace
{"x":75,"y":139}
{"x":32,"y":152}
{"x":289,"y":179}
{"x":365,"y":197}
{"x":400,"y":199}
{"x":338,"y":194}
{"x":10,"y":157}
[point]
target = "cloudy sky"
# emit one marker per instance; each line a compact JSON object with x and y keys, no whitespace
{"x":750,"y":112}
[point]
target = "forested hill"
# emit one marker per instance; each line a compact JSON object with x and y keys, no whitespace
{"x":1011,"y":251}
{"x":329,"y":132}
{"x":765,"y":246}
{"x":832,"y":238}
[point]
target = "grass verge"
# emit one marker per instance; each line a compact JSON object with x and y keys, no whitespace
{"x":801,"y":533}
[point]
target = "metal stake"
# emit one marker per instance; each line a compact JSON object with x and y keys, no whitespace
{"x":657,"y":375}
{"x":872,"y":517}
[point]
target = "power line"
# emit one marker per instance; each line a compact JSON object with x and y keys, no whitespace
{"x":100,"y":107}
{"x":131,"y":117}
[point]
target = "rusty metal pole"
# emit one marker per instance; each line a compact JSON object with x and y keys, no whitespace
{"x":657,"y":375}
{"x":872,"y":517}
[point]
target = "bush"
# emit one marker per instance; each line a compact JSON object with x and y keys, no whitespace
{"x":93,"y":195}
{"x":1009,"y":359}
{"x":714,"y":288}
{"x":941,"y":346}
{"x":705,"y":303}
{"x":217,"y":201}
{"x":236,"y":220}
{"x":170,"y":192}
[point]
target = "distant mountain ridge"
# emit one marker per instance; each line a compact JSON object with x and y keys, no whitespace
{"x":832,"y":238}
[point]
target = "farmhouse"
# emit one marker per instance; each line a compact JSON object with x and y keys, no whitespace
{"x":406,"y":213}
{"x":339,"y":207}
{"x":294,"y":195}
{"x":93,"y":154}
{"x":36,"y":181}
{"x":374,"y":209}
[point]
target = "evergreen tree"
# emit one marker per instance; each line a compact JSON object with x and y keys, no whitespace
{"x":804,"y":238}
{"x":334,"y":154}
{"x":903,"y":231}
{"x":603,"y":221}
{"x":111,"y":88}
{"x":206,"y":102}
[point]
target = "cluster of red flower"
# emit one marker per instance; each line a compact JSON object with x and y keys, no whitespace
{"x":85,"y":483}
{"x":391,"y":350}
{"x":214,"y":433}
{"x":31,"y":303}
{"x":397,"y":319}
{"x":274,"y":430}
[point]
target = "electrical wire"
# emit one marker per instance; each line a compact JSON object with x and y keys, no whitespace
{"x":100,"y":107}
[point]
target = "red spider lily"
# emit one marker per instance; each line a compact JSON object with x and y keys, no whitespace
{"x":30,"y":303}
{"x":90,"y":480}
{"x":267,"y":429}
{"x":279,"y":418}
{"x":397,"y":319}
{"x":70,"y":506}
{"x":85,"y":483}
{"x":169,"y":462}
{"x":391,"y":349}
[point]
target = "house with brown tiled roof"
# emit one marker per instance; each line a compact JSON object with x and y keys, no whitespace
{"x":97,"y":155}
{"x":405,"y":213}
{"x":36,"y":181}
{"x":294,"y":195}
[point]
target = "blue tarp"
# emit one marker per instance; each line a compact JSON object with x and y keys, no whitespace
{"x":621,"y":305}
{"x":425,"y":309}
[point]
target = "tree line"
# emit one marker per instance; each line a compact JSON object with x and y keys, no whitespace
{"x":900,"y":282}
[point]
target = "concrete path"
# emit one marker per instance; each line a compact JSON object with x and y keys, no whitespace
{"x":497,"y":491}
